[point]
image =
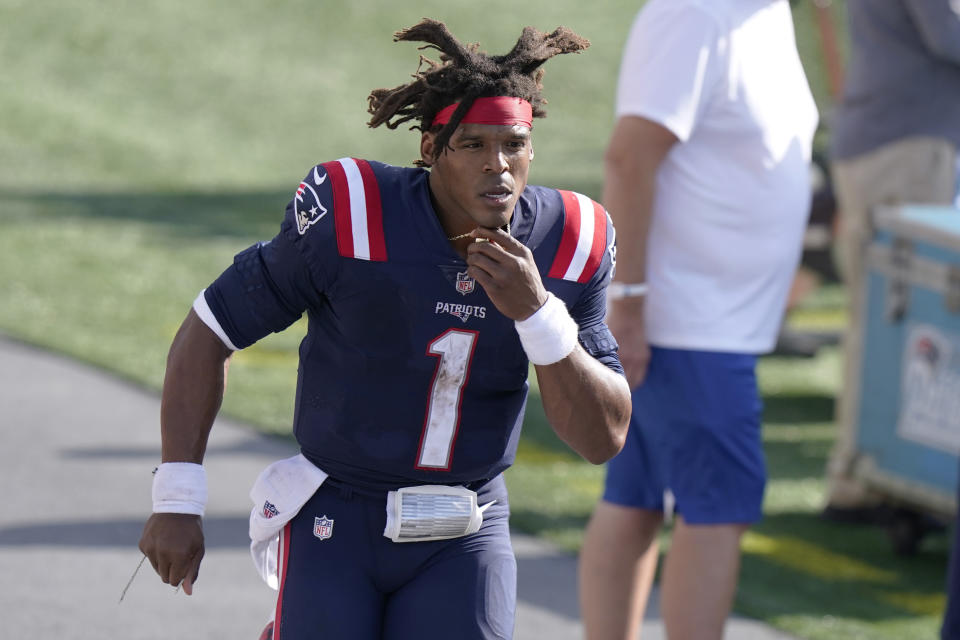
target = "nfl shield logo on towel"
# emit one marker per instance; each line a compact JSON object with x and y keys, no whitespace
{"x":323,"y":527}
{"x":269,"y":511}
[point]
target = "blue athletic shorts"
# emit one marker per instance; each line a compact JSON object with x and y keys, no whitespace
{"x":341,"y":578}
{"x":695,"y":430}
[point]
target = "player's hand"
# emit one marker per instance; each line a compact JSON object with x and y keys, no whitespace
{"x":173,"y":542}
{"x":625,"y":321}
{"x":505,"y":269}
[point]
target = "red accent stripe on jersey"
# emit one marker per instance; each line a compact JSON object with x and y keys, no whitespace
{"x":378,"y":245}
{"x":568,"y":242}
{"x":341,"y":207}
{"x":599,"y":243}
{"x":367,"y":224}
{"x":283,"y":553}
{"x":579,"y":257}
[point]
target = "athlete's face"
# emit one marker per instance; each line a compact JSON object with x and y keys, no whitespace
{"x":477,"y":181}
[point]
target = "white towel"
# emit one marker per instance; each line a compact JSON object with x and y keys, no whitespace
{"x":279,"y":493}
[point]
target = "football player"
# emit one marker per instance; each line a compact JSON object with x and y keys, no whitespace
{"x":429,"y":291}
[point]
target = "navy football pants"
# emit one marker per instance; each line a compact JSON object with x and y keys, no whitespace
{"x":358,"y":585}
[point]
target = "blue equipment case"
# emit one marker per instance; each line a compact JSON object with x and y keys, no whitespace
{"x":907,"y":436}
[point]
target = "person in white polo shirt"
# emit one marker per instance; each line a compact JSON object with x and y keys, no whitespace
{"x":707,"y":181}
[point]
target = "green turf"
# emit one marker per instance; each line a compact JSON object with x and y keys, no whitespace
{"x":143,"y":144}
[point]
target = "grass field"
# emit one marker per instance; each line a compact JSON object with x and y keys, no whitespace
{"x":140,"y":152}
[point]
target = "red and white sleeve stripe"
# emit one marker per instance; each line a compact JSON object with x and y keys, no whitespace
{"x":584,"y":239}
{"x":357,"y":209}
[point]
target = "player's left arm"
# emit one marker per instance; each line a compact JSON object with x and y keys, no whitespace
{"x":587,"y":403}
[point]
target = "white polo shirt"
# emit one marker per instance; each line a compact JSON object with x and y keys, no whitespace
{"x":733,"y":195}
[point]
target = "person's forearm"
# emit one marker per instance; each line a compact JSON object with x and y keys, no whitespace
{"x":637,"y":149}
{"x":192,"y":391}
{"x":587,"y":404}
{"x":628,"y":192}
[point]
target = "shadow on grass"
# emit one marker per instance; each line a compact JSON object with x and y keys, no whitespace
{"x":795,"y":443}
{"x":806,"y":566}
{"x":220,"y":532}
{"x":199,"y":214}
{"x":785,"y":408}
{"x":869,"y":543}
{"x":796,"y":461}
{"x":185,"y":214}
{"x":810,"y":566}
{"x":799,"y":460}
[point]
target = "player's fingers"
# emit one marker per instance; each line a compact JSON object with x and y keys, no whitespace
{"x":499,"y":237}
{"x":642,"y":376}
{"x":177,"y":567}
{"x":483,"y":278}
{"x":502,"y":263}
{"x":151,"y":555}
{"x":499,"y":243}
{"x":496,"y":236}
{"x":485,"y":264}
{"x":635,"y":363}
{"x":191,"y":579}
{"x":165,"y":570}
{"x":148,"y":546}
{"x":487,"y":249}
{"x":175,"y":574}
{"x":635,"y":374}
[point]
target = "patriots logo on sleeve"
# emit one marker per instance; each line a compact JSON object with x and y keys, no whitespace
{"x":308,"y":209}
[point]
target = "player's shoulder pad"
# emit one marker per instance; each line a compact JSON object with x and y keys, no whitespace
{"x":348,"y":192}
{"x":586,"y":238}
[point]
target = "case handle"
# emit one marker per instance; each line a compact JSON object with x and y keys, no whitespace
{"x":898,"y":287}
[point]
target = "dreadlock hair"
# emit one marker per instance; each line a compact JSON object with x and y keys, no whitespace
{"x":463,"y":74}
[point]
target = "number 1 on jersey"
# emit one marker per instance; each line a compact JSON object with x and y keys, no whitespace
{"x":455,"y":350}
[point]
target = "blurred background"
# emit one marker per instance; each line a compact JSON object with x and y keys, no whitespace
{"x":142,"y":145}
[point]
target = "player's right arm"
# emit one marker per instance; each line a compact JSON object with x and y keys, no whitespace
{"x":266,"y":289}
{"x":192,"y":393}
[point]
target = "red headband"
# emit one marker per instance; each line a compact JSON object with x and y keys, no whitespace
{"x":500,"y":110}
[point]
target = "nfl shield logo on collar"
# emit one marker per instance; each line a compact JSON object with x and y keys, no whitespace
{"x":465,"y":283}
{"x":323,"y":527}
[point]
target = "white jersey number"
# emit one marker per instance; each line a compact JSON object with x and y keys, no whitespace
{"x":455,"y":350}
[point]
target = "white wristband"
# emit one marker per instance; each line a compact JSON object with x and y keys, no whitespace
{"x":180,"y":487}
{"x":618,"y":290}
{"x":550,"y":334}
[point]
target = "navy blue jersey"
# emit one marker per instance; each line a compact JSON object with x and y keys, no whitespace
{"x":408,"y":373}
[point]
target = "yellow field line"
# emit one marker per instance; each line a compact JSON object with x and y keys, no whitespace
{"x":811,"y":559}
{"x":921,"y":604}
